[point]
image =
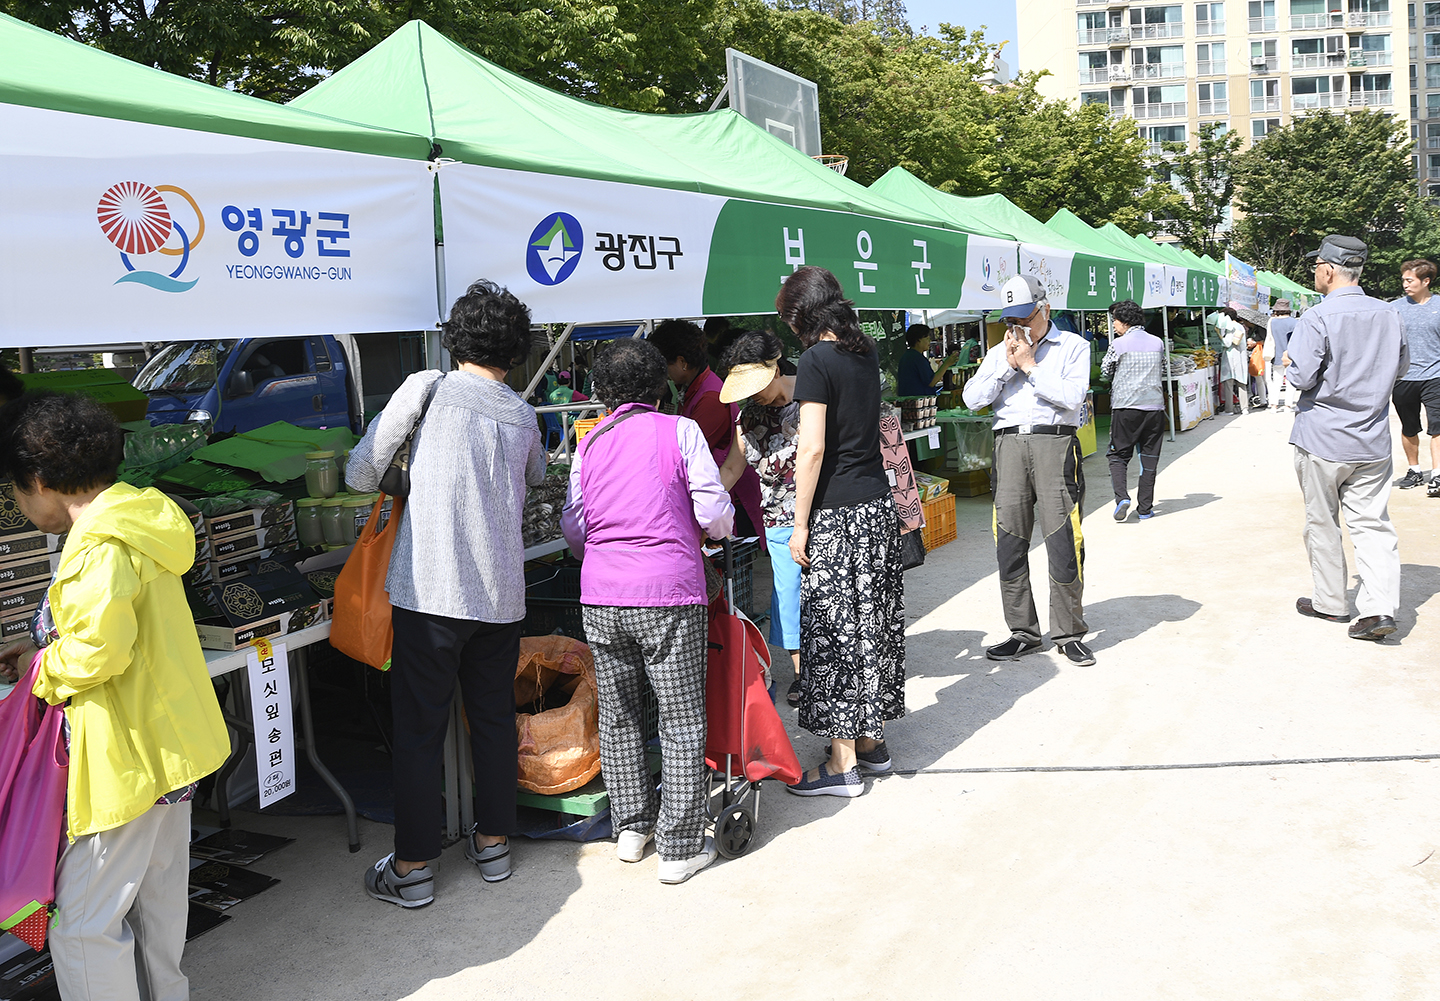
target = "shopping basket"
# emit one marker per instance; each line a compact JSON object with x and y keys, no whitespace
{"x":745,"y":741}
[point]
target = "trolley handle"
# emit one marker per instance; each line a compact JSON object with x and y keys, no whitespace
{"x":729,"y":549}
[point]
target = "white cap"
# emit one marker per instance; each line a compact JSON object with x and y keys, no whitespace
{"x":1019,"y":297}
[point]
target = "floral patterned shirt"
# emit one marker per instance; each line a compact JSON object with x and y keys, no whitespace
{"x":771,"y":436}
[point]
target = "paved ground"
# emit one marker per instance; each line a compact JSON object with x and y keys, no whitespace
{"x":1087,"y":873}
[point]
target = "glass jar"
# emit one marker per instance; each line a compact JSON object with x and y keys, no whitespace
{"x":357,"y":514}
{"x":307,"y":522}
{"x":322,"y":477}
{"x":331,"y":514}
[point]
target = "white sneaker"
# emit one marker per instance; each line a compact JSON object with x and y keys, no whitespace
{"x":631,"y":847}
{"x":680,"y":870}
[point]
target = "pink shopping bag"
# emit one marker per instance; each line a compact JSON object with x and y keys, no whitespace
{"x":34,"y":770}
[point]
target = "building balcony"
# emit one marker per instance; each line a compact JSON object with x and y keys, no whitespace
{"x":1310,"y":102}
{"x":1372,"y":19}
{"x":1104,"y":36}
{"x":1316,"y":60}
{"x":1157,"y":71}
{"x":1258,"y":104}
{"x":1432,"y":173}
{"x":1210,"y":67}
{"x":1431,"y":51}
{"x":1361,"y":59}
{"x":1103,"y":74}
{"x":1209,"y":27}
{"x":1220,"y":107}
{"x":1261,"y":24}
{"x":1168,"y":109}
{"x":1432,"y":142}
{"x":1167,"y":30}
{"x":1317,"y":22}
{"x":1431,"y":21}
{"x":1372,"y":99}
{"x":1266,"y":64}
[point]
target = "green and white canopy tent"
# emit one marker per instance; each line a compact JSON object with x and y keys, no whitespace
{"x":592,"y":213}
{"x":143,"y":206}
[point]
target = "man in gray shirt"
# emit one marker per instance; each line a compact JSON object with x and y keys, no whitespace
{"x":1345,"y":357}
{"x":1420,"y":313}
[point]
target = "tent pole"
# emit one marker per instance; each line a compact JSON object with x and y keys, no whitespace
{"x":1165,"y":324}
{"x":539,"y":375}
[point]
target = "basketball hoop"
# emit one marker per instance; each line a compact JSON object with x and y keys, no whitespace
{"x":835,"y":162}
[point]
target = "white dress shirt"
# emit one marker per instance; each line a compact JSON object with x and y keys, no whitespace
{"x":1053,"y":392}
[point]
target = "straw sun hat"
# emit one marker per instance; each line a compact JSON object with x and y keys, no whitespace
{"x":744,"y":381}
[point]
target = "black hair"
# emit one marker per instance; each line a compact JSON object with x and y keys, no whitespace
{"x":69,"y":443}
{"x":487,"y":326}
{"x":11,"y":388}
{"x":812,"y":302}
{"x":681,"y":339}
{"x":716,"y":327}
{"x":917,"y":333}
{"x":755,"y":347}
{"x":1128,"y":312}
{"x":629,"y":371}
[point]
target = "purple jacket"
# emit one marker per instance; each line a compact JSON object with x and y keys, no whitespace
{"x":639,"y":496}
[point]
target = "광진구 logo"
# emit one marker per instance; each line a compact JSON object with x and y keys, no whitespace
{"x":143,"y":224}
{"x":555,"y":248}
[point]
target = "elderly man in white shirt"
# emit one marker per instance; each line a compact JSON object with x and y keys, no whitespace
{"x":1035,"y":381}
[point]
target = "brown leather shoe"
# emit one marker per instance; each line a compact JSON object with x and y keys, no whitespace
{"x":1304,"y":607}
{"x":1372,"y":627}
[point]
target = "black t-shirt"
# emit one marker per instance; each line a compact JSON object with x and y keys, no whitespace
{"x":849,"y":385}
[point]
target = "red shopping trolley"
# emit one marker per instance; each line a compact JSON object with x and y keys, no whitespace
{"x":745,"y":741}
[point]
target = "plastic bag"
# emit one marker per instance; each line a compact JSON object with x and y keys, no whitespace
{"x":557,"y":718}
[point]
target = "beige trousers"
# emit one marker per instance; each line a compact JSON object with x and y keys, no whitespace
{"x":1362,"y":491}
{"x":121,"y":903}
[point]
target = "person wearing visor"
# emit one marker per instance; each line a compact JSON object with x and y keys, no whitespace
{"x":1345,"y":356}
{"x":1035,"y":381}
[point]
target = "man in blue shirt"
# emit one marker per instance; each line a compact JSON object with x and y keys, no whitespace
{"x":1420,"y":313}
{"x":1035,"y":381}
{"x":916,"y":377}
{"x":1345,"y":357}
{"x":1277,"y":339}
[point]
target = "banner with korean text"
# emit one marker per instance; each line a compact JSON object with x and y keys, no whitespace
{"x":582,"y":249}
{"x":115,"y":231}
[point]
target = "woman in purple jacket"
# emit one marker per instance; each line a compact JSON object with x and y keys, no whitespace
{"x":643,"y":489}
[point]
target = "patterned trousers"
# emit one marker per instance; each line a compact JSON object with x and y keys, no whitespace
{"x":665,"y":645}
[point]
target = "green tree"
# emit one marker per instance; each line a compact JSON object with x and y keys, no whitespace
{"x":1324,"y":173}
{"x":1206,"y":178}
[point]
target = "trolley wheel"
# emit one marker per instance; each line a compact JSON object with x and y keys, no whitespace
{"x":734,"y":831}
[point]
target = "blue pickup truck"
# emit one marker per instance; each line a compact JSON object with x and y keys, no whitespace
{"x":246,"y":384}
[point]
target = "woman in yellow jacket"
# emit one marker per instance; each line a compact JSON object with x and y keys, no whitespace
{"x":143,"y":722}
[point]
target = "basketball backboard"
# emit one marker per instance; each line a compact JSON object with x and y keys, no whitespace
{"x":783,"y":104}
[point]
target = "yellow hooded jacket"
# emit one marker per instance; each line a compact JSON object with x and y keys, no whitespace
{"x":143,"y":716}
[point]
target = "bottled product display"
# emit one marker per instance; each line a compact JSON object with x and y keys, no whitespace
{"x":322,"y":476}
{"x":332,"y":513}
{"x":356,"y":512}
{"x":307,"y":522}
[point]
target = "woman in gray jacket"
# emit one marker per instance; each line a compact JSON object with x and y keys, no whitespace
{"x":456,"y":582}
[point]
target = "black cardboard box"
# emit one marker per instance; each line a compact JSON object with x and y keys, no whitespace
{"x":269,"y":605}
{"x":254,"y":517}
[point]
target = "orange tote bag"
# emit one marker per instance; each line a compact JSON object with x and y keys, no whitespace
{"x":360,"y":626}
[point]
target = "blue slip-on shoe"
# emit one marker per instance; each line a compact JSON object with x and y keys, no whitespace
{"x":1147,"y":517}
{"x":848,"y":784}
{"x":1122,"y":510}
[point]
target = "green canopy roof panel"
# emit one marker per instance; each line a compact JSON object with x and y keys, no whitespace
{"x":1077,"y":230}
{"x":40,"y":69}
{"x":420,"y":82}
{"x":985,"y":215}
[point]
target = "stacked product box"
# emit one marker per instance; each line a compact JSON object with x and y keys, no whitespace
{"x":28,"y":559}
{"x":241,"y":540}
{"x":269,"y":603}
{"x":199,"y":574}
{"x":918,"y":413}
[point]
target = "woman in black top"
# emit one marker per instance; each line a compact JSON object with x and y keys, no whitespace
{"x":852,"y":596}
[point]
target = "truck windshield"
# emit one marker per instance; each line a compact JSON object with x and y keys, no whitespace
{"x":190,"y":367}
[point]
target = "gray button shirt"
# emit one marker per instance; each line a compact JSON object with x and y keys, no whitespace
{"x":1422,"y":335}
{"x":458,"y":552}
{"x":1346,"y":355}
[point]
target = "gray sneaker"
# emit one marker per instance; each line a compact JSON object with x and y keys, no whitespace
{"x":415,"y":890}
{"x":1411,"y":479}
{"x":492,"y":861}
{"x":877,"y":759}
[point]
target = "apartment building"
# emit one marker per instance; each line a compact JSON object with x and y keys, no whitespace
{"x":1252,"y":65}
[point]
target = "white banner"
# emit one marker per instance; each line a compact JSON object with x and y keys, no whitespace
{"x":274,"y":720}
{"x":1052,"y":267}
{"x":989,"y":264}
{"x":578,"y":249}
{"x":116,"y":231}
{"x":1157,"y":288}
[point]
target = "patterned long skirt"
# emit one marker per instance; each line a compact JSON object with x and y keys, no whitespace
{"x":852,"y":622}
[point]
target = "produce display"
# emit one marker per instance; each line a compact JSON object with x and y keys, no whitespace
{"x":540,"y":521}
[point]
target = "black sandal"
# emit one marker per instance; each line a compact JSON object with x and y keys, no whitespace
{"x":792,"y":695}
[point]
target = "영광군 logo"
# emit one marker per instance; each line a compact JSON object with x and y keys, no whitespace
{"x":143,"y":223}
{"x":555,"y":248}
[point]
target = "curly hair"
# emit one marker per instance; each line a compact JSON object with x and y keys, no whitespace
{"x":69,"y":443}
{"x":487,"y":326}
{"x":681,"y":339}
{"x":755,"y":346}
{"x":629,"y":371}
{"x":1128,"y":312}
{"x":812,"y":302}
